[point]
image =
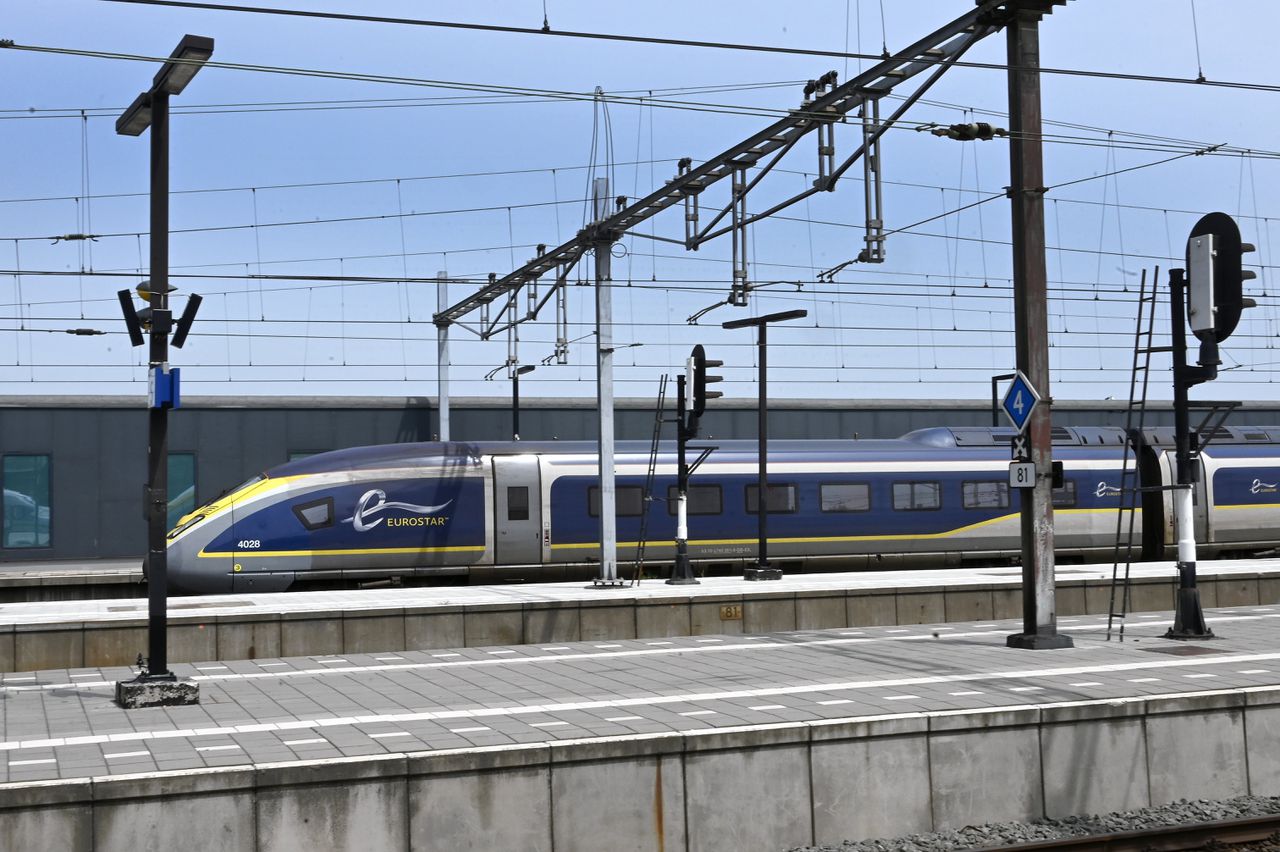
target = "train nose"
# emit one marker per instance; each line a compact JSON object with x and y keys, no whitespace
{"x":191,"y":574}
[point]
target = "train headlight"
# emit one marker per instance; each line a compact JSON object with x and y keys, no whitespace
{"x":185,"y":525}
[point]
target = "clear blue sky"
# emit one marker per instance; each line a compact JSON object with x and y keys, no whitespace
{"x":921,"y":325}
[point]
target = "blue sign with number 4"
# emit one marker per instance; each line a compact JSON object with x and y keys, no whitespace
{"x":1019,"y":401}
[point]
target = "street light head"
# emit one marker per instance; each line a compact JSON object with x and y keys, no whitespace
{"x":781,"y":316}
{"x":527,"y":368}
{"x":190,"y":55}
{"x":136,"y":118}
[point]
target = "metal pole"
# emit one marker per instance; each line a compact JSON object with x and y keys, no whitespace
{"x":762,"y":463}
{"x":1031,"y":328}
{"x":158,"y":415}
{"x":442,"y":357}
{"x":515,"y":405}
{"x":608,"y":574}
{"x":682,"y":573}
{"x":1188,"y":620}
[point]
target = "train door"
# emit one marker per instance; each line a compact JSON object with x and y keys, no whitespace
{"x":517,"y":515}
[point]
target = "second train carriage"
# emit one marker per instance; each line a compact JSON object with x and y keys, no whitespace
{"x":934,"y":497}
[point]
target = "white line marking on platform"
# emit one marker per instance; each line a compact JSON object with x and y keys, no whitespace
{"x":311,"y":741}
{"x":940,"y":629}
{"x":387,"y":659}
{"x":652,"y":643}
{"x":1088,"y":683}
{"x":122,"y":754}
{"x":211,"y":668}
{"x":558,"y":724}
{"x":1026,"y":689}
{"x":833,"y":701}
{"x":608,"y":646}
{"x":218,"y":748}
{"x":264,"y":665}
{"x":623,"y":718}
{"x":555,"y":648}
{"x":445,"y":656}
{"x":699,"y":713}
{"x":390,"y":734}
{"x":469,"y":730}
{"x":19,"y":679}
{"x":332,"y":662}
{"x":708,"y":640}
{"x":898,"y":630}
{"x":853,"y":633}
{"x":1254,"y":671}
{"x":1144,"y":680}
{"x":92,"y":674}
{"x":900,"y":697}
{"x":33,"y":762}
{"x":768,"y":707}
{"x":966,"y":692}
{"x":1200,"y":674}
{"x":501,"y":651}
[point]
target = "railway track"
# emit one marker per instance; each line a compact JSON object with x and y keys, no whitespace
{"x":1163,"y":839}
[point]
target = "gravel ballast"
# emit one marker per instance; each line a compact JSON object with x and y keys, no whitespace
{"x":1008,"y":833}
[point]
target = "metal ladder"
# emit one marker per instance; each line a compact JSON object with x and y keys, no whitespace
{"x":1134,"y":423}
{"x":646,"y":496}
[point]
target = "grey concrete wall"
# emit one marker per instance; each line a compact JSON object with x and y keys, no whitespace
{"x":757,"y":789}
{"x":197,"y":637}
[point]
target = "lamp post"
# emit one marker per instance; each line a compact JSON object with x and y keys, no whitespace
{"x":763,"y":571}
{"x":515,"y":398}
{"x":155,"y":684}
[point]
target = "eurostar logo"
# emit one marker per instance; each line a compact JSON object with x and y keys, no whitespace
{"x":1260,"y":487}
{"x":375,"y":502}
{"x":1105,"y":490}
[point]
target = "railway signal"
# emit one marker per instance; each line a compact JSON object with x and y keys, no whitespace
{"x":1211,"y":302}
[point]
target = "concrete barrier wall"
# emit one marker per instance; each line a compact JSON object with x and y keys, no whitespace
{"x":759,"y":789}
{"x":203,"y":636}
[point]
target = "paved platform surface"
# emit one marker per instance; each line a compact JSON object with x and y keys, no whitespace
{"x":64,"y":725}
{"x":518,"y":594}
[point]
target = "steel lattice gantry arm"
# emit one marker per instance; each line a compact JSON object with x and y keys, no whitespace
{"x":937,"y":51}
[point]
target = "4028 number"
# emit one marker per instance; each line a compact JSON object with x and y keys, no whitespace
{"x":249,"y":544}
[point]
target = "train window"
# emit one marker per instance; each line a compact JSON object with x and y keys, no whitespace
{"x":517,"y":502}
{"x":1064,"y":497}
{"x":628,"y":501}
{"x":25,"y":482}
{"x":985,"y":495}
{"x":845,"y":496}
{"x":315,"y":515}
{"x":703,"y":500}
{"x":182,"y":487}
{"x":917,"y":496}
{"x":782,"y":499}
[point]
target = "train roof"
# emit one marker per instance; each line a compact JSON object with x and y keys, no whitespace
{"x":940,"y":439}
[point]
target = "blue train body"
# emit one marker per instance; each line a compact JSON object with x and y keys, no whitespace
{"x":934,"y":497}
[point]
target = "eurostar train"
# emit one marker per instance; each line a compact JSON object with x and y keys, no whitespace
{"x":932,"y":498}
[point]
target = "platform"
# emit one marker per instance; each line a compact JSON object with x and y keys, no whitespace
{"x":64,"y":634}
{"x":704,"y":743}
{"x":71,"y":580}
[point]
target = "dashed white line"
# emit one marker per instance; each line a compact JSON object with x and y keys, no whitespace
{"x":218,"y":748}
{"x":768,"y":707}
{"x":390,"y":734}
{"x":1088,"y":683}
{"x":265,"y":665}
{"x":123,"y":754}
{"x":1144,"y":680}
{"x":469,"y":730}
{"x":1026,"y":689}
{"x":900,"y":697}
{"x":558,"y":724}
{"x":967,"y":692}
{"x":832,"y":701}
{"x":91,"y":674}
{"x":20,"y":679}
{"x":445,"y":656}
{"x":1254,"y":671}
{"x":555,"y":648}
{"x":502,"y":651}
{"x":853,"y":633}
{"x":211,"y":668}
{"x":708,"y":640}
{"x":608,"y":646}
{"x":1199,"y":675}
{"x":33,"y":762}
{"x":659,"y":643}
{"x":699,"y":713}
{"x":898,"y":630}
{"x":333,"y":662}
{"x":623,"y":718}
{"x":387,"y":659}
{"x":311,"y":741}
